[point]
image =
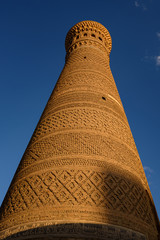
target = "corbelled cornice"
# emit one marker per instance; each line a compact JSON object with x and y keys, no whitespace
{"x":88,"y":33}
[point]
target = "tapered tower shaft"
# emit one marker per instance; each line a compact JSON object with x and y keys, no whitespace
{"x":81,"y":175}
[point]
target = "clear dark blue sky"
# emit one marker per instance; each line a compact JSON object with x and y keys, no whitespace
{"x":32,"y":54}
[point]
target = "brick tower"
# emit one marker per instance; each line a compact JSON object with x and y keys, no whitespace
{"x":81,"y":176}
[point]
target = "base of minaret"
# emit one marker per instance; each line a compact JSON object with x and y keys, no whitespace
{"x":78,"y":231}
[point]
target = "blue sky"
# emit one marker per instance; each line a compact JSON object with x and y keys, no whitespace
{"x":32,"y":55}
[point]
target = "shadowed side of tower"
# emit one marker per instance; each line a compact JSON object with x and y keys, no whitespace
{"x":81,"y":176}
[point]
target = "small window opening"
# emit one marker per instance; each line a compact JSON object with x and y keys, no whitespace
{"x":100,"y":38}
{"x":85,"y":34}
{"x":85,"y":57}
{"x":104,"y":98}
{"x":93,"y":35}
{"x":77,"y":37}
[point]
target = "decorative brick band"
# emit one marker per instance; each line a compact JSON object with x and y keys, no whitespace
{"x":88,"y":33}
{"x":79,"y":231}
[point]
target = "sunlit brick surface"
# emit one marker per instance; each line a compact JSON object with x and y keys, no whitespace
{"x":81,"y":169}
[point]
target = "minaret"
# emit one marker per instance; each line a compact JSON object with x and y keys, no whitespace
{"x":81,"y":176}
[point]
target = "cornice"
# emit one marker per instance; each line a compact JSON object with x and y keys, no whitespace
{"x":88,"y":32}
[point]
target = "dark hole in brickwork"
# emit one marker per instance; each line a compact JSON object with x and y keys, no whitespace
{"x":85,"y":57}
{"x":104,"y":98}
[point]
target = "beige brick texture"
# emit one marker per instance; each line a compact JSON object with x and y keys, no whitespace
{"x":81,"y":176}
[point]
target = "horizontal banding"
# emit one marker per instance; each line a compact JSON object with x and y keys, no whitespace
{"x":89,"y":30}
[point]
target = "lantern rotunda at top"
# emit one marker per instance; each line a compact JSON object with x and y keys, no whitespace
{"x":88,"y":33}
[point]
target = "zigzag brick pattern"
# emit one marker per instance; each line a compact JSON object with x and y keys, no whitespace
{"x":81,"y":176}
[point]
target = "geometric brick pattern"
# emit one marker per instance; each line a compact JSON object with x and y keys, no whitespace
{"x":81,"y":164}
{"x":77,"y":187}
{"x":84,"y":118}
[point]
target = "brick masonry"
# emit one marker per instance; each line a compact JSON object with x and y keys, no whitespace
{"x":81,"y":165}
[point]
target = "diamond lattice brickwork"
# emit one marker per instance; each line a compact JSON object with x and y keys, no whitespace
{"x":81,"y":176}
